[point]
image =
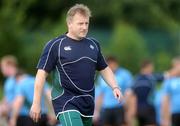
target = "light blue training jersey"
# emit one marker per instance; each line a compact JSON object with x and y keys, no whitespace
{"x":25,"y":88}
{"x":158,"y":103}
{"x":124,"y":79}
{"x":9,"y":89}
{"x":172,"y":89}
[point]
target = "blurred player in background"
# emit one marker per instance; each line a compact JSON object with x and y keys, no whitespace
{"x":143,"y":90}
{"x":9,"y":67}
{"x":108,"y":111}
{"x":23,"y":101}
{"x":171,"y":104}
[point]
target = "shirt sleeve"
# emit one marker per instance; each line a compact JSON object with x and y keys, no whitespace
{"x":128,"y":79}
{"x":19,"y":90}
{"x":135,"y":82}
{"x":158,"y":77}
{"x":101,"y":63}
{"x":49,"y":57}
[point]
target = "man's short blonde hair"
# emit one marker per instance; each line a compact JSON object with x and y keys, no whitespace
{"x":176,"y":60}
{"x":9,"y":60}
{"x":78,"y":8}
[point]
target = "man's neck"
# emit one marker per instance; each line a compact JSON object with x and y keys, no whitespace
{"x":72,"y":36}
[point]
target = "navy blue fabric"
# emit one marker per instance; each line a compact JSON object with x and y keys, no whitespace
{"x":143,"y":88}
{"x":76,"y":63}
{"x":144,"y":85}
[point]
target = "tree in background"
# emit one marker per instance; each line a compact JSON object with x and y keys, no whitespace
{"x":28,"y":24}
{"x":128,"y":46}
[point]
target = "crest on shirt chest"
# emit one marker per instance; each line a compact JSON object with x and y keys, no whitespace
{"x":92,"y":47}
{"x":67,"y":48}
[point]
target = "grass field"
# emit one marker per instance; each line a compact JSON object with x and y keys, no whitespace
{"x":1,"y":91}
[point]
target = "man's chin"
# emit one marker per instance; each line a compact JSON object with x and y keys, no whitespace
{"x":82,"y":36}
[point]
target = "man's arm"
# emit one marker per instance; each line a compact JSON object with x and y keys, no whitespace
{"x":16,"y":106}
{"x":130,"y":107}
{"x":5,"y":107}
{"x":38,"y":88}
{"x":109,"y":77}
{"x":165,"y":111}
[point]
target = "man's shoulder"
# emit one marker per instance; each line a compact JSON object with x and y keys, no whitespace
{"x":122,"y":70}
{"x":10,"y":81}
{"x":26,"y":84}
{"x":92,"y":39}
{"x":56,"y":40}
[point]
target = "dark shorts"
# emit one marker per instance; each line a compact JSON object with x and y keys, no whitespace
{"x":113,"y":116}
{"x":73,"y":118}
{"x":146,"y":115}
{"x":27,"y":121}
{"x":176,"y":119}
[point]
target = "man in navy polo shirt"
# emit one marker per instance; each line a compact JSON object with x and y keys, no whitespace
{"x":144,"y":91}
{"x":73,"y":58}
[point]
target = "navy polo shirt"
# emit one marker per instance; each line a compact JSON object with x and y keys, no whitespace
{"x":73,"y":64}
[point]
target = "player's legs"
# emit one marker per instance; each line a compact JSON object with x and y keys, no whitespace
{"x":146,"y":116}
{"x":176,"y":119}
{"x":113,"y":117}
{"x":24,"y":121}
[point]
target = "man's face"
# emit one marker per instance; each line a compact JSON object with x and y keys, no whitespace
{"x":150,"y":68}
{"x":78,"y":26}
{"x":7,"y":70}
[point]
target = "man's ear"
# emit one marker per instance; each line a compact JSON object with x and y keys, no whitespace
{"x":69,"y":23}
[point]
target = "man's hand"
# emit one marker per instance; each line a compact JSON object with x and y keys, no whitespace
{"x":35,"y":112}
{"x":117,"y":94}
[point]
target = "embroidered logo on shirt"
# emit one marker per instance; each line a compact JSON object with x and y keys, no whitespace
{"x":91,"y":46}
{"x":67,"y":48}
